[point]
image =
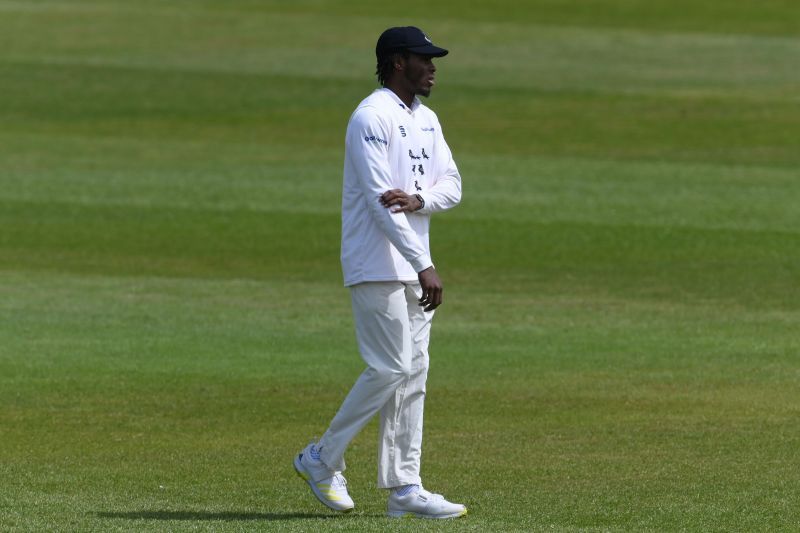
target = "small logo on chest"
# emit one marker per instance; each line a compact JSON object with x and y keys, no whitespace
{"x":402,"y":131}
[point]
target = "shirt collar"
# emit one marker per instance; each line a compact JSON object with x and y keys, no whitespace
{"x":414,"y":105}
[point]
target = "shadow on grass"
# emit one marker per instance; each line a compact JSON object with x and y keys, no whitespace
{"x":202,"y":515}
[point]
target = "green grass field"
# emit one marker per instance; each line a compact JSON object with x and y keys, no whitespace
{"x":618,"y":349}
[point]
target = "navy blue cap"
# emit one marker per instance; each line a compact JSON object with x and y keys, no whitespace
{"x":407,"y":38}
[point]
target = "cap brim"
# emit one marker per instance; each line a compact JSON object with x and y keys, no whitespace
{"x":429,"y":50}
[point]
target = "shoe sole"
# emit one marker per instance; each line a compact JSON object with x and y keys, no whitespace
{"x":305,"y":476}
{"x":411,"y":514}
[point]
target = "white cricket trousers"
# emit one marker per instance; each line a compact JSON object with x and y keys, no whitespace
{"x":393,"y":333}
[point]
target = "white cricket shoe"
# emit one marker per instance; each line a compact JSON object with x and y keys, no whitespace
{"x":328,"y":486}
{"x":423,"y":504}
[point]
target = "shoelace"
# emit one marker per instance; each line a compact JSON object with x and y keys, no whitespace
{"x":429,"y":496}
{"x":338,"y":481}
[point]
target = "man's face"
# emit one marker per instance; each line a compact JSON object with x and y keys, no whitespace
{"x":419,"y":74}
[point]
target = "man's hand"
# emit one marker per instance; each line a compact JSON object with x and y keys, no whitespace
{"x":399,"y":201}
{"x":431,"y":289}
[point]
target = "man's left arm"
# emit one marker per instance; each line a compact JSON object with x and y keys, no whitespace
{"x":444,"y":195}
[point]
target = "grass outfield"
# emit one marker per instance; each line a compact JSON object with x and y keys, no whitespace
{"x":618,"y":348}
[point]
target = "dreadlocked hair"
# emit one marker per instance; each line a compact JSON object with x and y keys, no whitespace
{"x":386,"y":66}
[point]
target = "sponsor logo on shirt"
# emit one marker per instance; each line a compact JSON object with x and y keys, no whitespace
{"x":373,"y":139}
{"x":428,"y":129}
{"x":402,"y":131}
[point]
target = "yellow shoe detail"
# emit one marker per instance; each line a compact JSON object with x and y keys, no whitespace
{"x":328,"y":492}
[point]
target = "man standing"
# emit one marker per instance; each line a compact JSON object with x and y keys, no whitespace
{"x":398,"y":171}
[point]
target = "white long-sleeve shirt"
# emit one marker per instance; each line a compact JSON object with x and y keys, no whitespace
{"x":389,"y":146}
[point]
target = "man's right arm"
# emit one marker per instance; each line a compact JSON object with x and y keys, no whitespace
{"x":432,"y":290}
{"x":367,"y":144}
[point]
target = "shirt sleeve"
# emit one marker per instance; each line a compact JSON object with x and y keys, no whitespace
{"x":446,"y":190}
{"x":367,"y":144}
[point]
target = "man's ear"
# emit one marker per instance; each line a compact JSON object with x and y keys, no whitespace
{"x":399,"y":62}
